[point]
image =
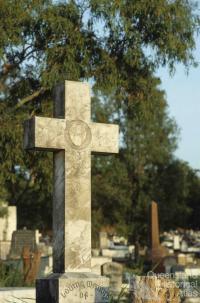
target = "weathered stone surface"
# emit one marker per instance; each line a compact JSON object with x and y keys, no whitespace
{"x":21,"y":238}
{"x":113,"y":270}
{"x":72,"y":137}
{"x":73,"y":288}
{"x":97,"y":262}
{"x":154,"y":290}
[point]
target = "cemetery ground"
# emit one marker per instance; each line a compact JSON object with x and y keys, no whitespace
{"x":117,"y":260}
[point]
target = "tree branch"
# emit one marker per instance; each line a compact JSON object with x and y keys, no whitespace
{"x":30,"y":97}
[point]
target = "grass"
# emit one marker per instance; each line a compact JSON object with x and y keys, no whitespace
{"x":11,"y":276}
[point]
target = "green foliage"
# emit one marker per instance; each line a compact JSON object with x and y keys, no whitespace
{"x":3,"y":209}
{"x":124,"y":185}
{"x":175,"y":176}
{"x":10,"y":276}
{"x":136,"y":267}
{"x":117,"y":45}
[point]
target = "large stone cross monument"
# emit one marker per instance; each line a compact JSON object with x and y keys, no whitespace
{"x":72,"y":137}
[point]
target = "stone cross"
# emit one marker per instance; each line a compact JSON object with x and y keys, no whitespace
{"x":72,"y":137}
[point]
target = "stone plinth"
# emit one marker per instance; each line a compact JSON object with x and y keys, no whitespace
{"x":157,"y":256}
{"x":154,"y":290}
{"x":97,"y":262}
{"x":158,"y":253}
{"x":72,"y":288}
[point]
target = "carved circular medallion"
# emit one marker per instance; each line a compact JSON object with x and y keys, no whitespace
{"x":78,"y":134}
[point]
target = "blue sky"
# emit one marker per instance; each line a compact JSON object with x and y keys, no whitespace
{"x":183,"y":96}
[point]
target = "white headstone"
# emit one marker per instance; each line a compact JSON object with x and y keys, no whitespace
{"x":8,"y":224}
{"x":177,"y":242}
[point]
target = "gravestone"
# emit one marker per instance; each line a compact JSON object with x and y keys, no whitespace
{"x":157,"y":252}
{"x":72,"y":137}
{"x":113,"y":270}
{"x":176,"y":243}
{"x":21,"y":238}
{"x":8,"y":224}
{"x":184,"y":246}
{"x":168,"y":262}
{"x":97,"y":262}
{"x":182,"y":259}
{"x":103,"y":240}
{"x":154,"y":227}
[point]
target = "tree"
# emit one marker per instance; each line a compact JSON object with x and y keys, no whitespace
{"x":193,"y":200}
{"x":124,"y":186}
{"x":44,"y":42}
{"x":173,"y":182}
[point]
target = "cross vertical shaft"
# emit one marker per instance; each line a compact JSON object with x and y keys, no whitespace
{"x":59,"y":189}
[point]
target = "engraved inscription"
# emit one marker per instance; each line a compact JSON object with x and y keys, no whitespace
{"x":86,"y":291}
{"x":78,"y":164}
{"x":78,"y":252}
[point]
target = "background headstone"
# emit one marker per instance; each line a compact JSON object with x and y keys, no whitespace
{"x":103,"y":240}
{"x":176,"y":243}
{"x":21,"y":238}
{"x":156,"y":252}
{"x":97,"y":262}
{"x":154,"y":226}
{"x":8,"y":224}
{"x":184,"y":246}
{"x":168,"y":262}
{"x":113,"y":271}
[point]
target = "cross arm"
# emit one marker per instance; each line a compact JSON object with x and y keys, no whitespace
{"x":105,"y":138}
{"x":44,"y":133}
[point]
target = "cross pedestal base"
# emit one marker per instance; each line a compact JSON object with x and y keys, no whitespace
{"x":72,"y":288}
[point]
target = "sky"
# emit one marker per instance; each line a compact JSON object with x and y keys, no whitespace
{"x":183,"y":96}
